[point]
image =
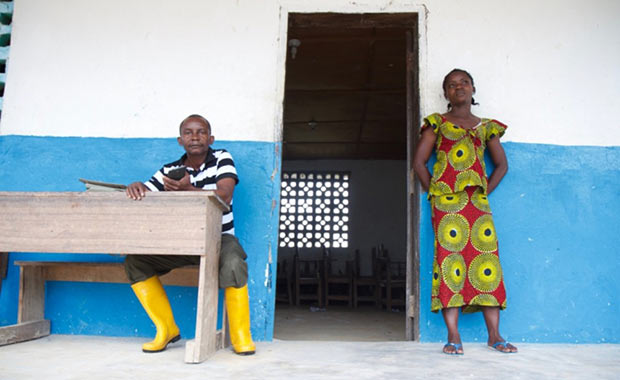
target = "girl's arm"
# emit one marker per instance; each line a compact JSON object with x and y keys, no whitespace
{"x":422,"y":154}
{"x":498,"y":156}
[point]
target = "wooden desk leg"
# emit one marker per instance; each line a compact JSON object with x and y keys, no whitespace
{"x":4,"y":266}
{"x":223,"y":337}
{"x":30,"y":311}
{"x":204,"y":344}
{"x":31,"y":294}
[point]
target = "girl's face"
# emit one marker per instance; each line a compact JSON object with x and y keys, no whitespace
{"x":459,"y":89}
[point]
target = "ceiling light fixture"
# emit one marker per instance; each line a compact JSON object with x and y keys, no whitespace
{"x":293,"y":44}
{"x":312,"y":124}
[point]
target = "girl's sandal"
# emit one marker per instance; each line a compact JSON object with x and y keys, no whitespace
{"x":457,"y":347}
{"x":495,"y":345}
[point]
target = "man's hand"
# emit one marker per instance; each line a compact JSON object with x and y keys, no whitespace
{"x":181,"y":185}
{"x":136,"y":191}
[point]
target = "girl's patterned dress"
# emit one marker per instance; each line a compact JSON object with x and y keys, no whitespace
{"x":466,"y":267}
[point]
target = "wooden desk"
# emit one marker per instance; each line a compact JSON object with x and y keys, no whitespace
{"x":171,"y":223}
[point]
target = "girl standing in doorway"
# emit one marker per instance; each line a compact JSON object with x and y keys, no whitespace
{"x":466,"y":268}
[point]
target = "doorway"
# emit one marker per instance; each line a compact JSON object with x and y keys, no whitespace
{"x":350,"y":122}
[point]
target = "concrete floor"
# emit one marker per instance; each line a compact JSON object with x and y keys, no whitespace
{"x":335,"y":343}
{"x":85,"y":357}
{"x":338,"y":323}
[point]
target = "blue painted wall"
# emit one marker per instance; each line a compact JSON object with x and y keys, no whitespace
{"x":55,"y":163}
{"x":557,"y":217}
{"x":556,"y":214}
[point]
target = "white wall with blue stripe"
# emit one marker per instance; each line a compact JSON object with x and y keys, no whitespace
{"x":102,"y":100}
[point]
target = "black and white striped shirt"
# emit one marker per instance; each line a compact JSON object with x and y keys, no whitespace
{"x":218,"y":164}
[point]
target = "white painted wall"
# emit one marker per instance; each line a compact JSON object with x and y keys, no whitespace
{"x":135,"y":68}
{"x":378,"y":207}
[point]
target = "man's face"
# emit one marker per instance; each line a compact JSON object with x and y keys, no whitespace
{"x":195,"y":137}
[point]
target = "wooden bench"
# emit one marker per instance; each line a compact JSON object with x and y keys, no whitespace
{"x":172,"y":223}
{"x":34,"y":274}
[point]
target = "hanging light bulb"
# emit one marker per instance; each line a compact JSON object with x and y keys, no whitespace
{"x":312,"y":124}
{"x":293,"y":44}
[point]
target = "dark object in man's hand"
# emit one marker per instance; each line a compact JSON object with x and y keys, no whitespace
{"x":176,"y":174}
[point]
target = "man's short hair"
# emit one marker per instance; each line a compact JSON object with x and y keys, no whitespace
{"x":195,"y":116}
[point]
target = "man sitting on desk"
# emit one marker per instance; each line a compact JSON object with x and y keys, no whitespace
{"x":205,"y":169}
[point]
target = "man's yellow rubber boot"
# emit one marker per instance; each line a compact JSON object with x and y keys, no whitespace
{"x":238,"y":307}
{"x":154,"y":300}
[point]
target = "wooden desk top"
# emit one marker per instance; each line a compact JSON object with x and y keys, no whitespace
{"x":109,"y":222}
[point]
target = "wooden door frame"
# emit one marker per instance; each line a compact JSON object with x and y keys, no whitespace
{"x":414,"y":20}
{"x":412,"y":324}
